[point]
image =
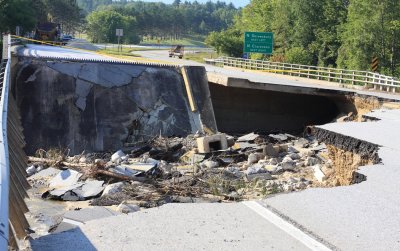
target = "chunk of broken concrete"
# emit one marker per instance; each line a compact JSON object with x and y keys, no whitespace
{"x":66,"y":186}
{"x":127,"y":208}
{"x":113,"y":188}
{"x":212,"y":143}
{"x":258,"y":168}
{"x":235,"y":171}
{"x":31,"y":170}
{"x":279,"y":137}
{"x":273,"y":161}
{"x":45,"y":174}
{"x":210,"y":164}
{"x":65,"y":178}
{"x":271,"y":168}
{"x":270,"y":151}
{"x":264,"y":176}
{"x":142,"y":167}
{"x":116,"y":157}
{"x":288,"y":164}
{"x":292,"y":149}
{"x":294,"y":156}
{"x":311,"y":161}
{"x":90,"y":189}
{"x":125,"y":171}
{"x":318,"y":174}
{"x":248,"y":137}
{"x":301,"y":143}
{"x":252,"y":158}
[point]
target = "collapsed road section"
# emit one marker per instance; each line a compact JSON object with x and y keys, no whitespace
{"x":362,"y":216}
{"x":109,"y":138}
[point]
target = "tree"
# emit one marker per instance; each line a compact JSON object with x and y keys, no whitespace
{"x":64,"y":12}
{"x":103,"y":24}
{"x":16,"y":13}
{"x":229,"y":42}
{"x":327,"y":42}
{"x":298,"y":55}
{"x":256,"y":16}
{"x":371,"y":30}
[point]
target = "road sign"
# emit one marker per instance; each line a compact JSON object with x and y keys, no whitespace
{"x":375,"y":64}
{"x":258,"y":42}
{"x":119,"y":32}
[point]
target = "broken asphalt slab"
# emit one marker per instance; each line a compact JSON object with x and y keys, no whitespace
{"x":363,"y":216}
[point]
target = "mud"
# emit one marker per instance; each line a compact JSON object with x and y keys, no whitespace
{"x":347,"y":155}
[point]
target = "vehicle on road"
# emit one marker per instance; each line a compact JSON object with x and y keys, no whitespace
{"x":66,"y":38}
{"x":177,"y":51}
{"x":48,"y":32}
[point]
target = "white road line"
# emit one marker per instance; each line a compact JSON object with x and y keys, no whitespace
{"x":286,"y":226}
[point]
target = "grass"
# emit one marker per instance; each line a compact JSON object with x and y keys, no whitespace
{"x":189,"y":41}
{"x":198,"y":57}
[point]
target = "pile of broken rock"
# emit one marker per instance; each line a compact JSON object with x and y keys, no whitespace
{"x":195,"y":169}
{"x":192,"y":169}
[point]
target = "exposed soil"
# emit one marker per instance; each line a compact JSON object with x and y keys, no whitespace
{"x":365,"y":105}
{"x":345,"y":166}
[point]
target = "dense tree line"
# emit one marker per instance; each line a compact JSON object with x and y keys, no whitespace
{"x":27,"y":13}
{"x":152,"y":19}
{"x":337,"y":33}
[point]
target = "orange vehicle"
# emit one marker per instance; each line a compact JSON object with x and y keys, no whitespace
{"x":177,"y":50}
{"x":48,"y":32}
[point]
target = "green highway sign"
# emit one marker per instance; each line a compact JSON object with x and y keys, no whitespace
{"x":258,"y":42}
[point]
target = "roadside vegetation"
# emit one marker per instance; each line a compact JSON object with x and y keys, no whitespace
{"x":199,"y":57}
{"x":154,"y":22}
{"x":334,"y":33}
{"x":186,"y":41}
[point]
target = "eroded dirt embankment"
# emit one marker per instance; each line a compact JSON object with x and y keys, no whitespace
{"x":365,"y":105}
{"x":347,"y":155}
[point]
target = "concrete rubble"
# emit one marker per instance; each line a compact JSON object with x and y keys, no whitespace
{"x":194,"y":169}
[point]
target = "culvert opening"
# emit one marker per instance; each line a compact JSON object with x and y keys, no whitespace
{"x":242,"y":110}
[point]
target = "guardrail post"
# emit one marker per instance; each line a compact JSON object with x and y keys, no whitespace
{"x":5,"y":47}
{"x":366,"y":80}
{"x":341,"y":76}
{"x":394,"y":86}
{"x":387,"y":87}
{"x":352,"y":78}
{"x":329,"y":75}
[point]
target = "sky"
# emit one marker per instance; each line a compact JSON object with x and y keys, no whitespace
{"x":237,"y":3}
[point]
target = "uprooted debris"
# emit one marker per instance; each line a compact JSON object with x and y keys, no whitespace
{"x":166,"y":170}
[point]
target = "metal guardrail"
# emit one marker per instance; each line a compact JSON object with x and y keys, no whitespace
{"x":13,"y":161}
{"x":342,"y":76}
{"x":4,"y":161}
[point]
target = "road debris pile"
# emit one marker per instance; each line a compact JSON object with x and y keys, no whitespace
{"x":193,"y":169}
